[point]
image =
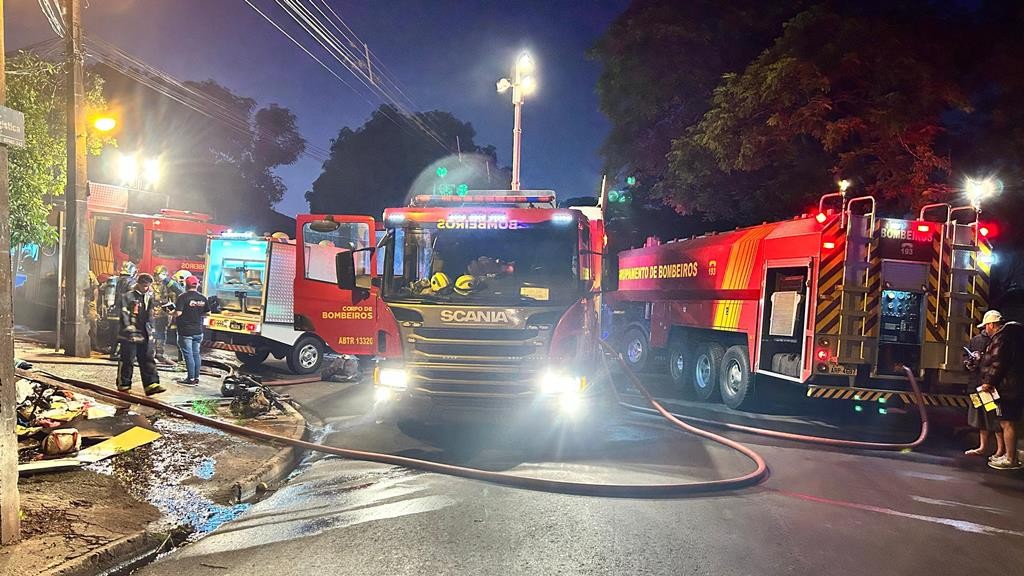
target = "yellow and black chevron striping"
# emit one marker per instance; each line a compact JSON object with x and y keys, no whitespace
{"x":233,"y":347}
{"x":935,"y":324}
{"x":830,"y":279}
{"x":982,"y":280}
{"x":742,"y":257}
{"x":874,"y":286}
{"x":885,"y":396}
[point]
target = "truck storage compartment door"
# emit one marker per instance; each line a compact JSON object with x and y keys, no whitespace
{"x":784,"y":322}
{"x":344,"y":319}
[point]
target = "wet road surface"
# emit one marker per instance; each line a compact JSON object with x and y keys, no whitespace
{"x":821,"y":512}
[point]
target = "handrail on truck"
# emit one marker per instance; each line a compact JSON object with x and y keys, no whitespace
{"x":927,"y":207}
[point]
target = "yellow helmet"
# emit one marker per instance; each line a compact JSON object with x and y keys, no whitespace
{"x":160,"y":271}
{"x":180,"y":276}
{"x":440,"y":282}
{"x":281,"y":236}
{"x":465,"y":284}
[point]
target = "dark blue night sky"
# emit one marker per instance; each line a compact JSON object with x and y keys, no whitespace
{"x":446,"y":53}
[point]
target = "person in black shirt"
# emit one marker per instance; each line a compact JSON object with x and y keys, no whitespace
{"x":136,"y":337}
{"x":190,"y":308}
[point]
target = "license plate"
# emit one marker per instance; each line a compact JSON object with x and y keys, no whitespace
{"x":840,"y":369}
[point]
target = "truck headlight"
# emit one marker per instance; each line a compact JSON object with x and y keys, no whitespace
{"x":559,"y":383}
{"x":395,"y":378}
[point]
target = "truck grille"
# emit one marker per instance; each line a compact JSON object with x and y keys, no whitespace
{"x":475,"y":362}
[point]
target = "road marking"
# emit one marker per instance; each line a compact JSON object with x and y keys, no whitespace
{"x":962,"y":525}
{"x":953,"y":504}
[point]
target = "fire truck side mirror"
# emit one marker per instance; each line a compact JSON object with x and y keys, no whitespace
{"x":345,"y":267}
{"x":609,"y":273}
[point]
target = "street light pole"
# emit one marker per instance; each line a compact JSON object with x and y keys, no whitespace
{"x":75,"y":331}
{"x":521,"y":85}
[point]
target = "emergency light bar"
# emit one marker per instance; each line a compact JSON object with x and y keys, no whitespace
{"x":477,"y":199}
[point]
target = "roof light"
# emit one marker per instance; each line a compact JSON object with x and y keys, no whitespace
{"x":562,"y":218}
{"x":924,"y":228}
{"x":983,"y":231}
{"x":820,"y":217}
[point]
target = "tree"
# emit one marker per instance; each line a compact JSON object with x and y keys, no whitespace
{"x":39,"y":171}
{"x":385,"y":160}
{"x":223,"y":165}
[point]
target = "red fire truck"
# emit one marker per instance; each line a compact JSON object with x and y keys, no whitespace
{"x":486,"y":299}
{"x":836,"y":301}
{"x":173,"y":238}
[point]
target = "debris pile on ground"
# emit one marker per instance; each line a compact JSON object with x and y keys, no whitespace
{"x":251,"y":398}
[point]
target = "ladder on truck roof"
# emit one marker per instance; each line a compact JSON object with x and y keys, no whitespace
{"x":860,"y":286}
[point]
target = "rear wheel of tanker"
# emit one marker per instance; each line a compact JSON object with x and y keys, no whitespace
{"x":252,"y":360}
{"x":704,"y":369}
{"x":736,"y":383}
{"x":636,"y":349}
{"x":679,"y":367}
{"x":306,"y":356}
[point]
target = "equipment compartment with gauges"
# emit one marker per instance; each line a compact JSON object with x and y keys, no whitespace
{"x":899,"y":336}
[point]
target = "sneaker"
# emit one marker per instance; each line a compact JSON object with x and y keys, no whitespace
{"x":186,"y":382}
{"x":154,"y":388}
{"x":1005,"y":464}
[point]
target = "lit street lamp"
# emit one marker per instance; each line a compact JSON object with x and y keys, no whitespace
{"x":978,"y":190}
{"x":521,"y":84}
{"x":104,"y":123}
{"x":139,"y":175}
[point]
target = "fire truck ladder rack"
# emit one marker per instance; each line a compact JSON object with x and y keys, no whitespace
{"x":854,"y":339}
{"x":961,"y":295}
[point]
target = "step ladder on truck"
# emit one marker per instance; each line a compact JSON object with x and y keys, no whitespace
{"x":836,"y":301}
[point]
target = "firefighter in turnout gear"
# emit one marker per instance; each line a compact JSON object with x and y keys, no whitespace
{"x":124,"y":283}
{"x":136,"y":337}
{"x":165,"y":290}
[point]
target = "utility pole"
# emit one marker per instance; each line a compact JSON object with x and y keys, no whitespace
{"x":10,"y":503}
{"x":75,"y":332}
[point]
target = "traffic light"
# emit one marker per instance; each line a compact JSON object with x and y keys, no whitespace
{"x":630,"y":180}
{"x":618,"y":197}
{"x":462,"y":189}
{"x":442,"y":171}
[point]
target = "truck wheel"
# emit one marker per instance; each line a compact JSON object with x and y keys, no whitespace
{"x":679,"y":366}
{"x":636,"y":349}
{"x":704,"y":369}
{"x":252,"y":360}
{"x":306,"y":356}
{"x":735,"y":380}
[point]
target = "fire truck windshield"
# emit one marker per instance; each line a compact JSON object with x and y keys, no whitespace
{"x":539,"y":263}
{"x":179,"y":246}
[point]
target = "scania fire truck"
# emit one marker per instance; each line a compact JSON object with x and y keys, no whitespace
{"x":253,"y":278}
{"x":484,"y":300}
{"x":837,"y":301}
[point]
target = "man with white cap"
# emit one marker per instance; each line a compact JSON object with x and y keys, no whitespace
{"x":1002,"y":370}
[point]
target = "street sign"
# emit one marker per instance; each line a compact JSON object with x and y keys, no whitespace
{"x":12,"y":127}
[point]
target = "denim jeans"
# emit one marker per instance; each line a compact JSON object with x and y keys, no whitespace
{"x":189,"y":346}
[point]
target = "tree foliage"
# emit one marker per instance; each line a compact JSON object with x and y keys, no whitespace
{"x":902,"y":97}
{"x":38,"y":171}
{"x":376,"y":165}
{"x":209,"y":164}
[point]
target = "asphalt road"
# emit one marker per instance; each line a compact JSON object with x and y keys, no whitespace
{"x":820,"y":512}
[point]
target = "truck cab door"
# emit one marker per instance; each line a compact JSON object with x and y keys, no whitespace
{"x":344,"y":318}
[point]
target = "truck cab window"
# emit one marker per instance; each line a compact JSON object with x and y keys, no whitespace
{"x":319,"y":250}
{"x":131,"y":240}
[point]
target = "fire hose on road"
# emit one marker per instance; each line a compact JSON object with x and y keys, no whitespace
{"x":757,"y":475}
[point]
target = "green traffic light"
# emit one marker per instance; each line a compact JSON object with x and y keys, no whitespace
{"x":631,"y":180}
{"x":442,"y":171}
{"x":613,"y":196}
{"x":462,"y":190}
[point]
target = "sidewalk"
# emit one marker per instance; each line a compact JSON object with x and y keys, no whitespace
{"x":154,"y":497}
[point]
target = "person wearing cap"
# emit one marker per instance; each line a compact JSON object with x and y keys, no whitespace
{"x":1002,"y":371}
{"x":166,"y":291}
{"x":984,"y":421}
{"x":189,"y":310}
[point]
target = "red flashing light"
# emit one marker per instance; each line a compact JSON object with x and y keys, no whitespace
{"x":250,"y":327}
{"x":924,"y":228}
{"x":983,"y":231}
{"x":822,"y":354}
{"x":988,"y":230}
{"x":828,"y":245}
{"x":820,"y":217}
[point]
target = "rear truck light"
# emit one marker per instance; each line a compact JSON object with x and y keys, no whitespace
{"x":822,"y":354}
{"x":983,"y":231}
{"x":252,"y":327}
{"x":924,"y":228}
{"x":828,"y":245}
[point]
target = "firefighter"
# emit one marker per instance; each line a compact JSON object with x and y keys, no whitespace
{"x":136,"y":337}
{"x":165,"y":290}
{"x":124,"y":284}
{"x":91,"y":296}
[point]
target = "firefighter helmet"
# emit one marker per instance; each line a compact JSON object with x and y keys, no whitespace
{"x":180,"y":276}
{"x":280,"y":236}
{"x":129,"y":268}
{"x":440,"y":282}
{"x":160,"y":272}
{"x":465,"y":284}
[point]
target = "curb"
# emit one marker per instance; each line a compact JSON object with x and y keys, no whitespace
{"x":110,"y":557}
{"x":274,"y":470}
{"x":134,"y":550}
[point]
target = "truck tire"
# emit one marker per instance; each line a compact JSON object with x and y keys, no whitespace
{"x":252,"y":360}
{"x":636,"y":349}
{"x":704,"y":370}
{"x":306,"y":355}
{"x":679,"y":366}
{"x":736,"y":383}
